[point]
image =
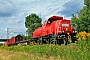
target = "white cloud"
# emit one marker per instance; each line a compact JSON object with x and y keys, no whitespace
{"x":7,"y":8}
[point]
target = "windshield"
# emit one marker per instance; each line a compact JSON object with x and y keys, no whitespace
{"x":64,"y":24}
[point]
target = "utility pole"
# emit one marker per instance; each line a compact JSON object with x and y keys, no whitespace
{"x":8,"y":33}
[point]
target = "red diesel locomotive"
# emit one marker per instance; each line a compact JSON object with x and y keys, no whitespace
{"x":55,"y":30}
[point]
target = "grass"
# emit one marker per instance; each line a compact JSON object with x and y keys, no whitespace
{"x":76,"y":51}
{"x":12,"y":55}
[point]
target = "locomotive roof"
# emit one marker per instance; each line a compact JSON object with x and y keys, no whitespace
{"x":55,"y":18}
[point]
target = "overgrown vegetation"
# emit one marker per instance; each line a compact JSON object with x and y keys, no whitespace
{"x":83,"y":35}
{"x":77,"y":51}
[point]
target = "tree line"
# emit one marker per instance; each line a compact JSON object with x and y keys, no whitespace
{"x":83,"y":18}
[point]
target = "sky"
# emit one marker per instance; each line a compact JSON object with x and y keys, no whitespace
{"x":13,"y":13}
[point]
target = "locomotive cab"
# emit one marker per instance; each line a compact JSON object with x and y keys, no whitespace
{"x":64,"y":31}
{"x":68,"y":31}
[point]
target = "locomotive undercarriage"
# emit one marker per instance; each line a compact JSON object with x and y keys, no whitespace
{"x":67,"y":38}
{"x":56,"y":39}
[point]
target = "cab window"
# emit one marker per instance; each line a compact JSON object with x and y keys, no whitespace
{"x":64,"y":24}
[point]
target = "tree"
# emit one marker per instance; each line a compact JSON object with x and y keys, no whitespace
{"x":75,"y":20}
{"x":83,"y":18}
{"x":32,"y":22}
{"x":24,"y":37}
{"x":87,"y":3}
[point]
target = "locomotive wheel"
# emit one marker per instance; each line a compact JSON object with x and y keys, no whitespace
{"x":54,"y":41}
{"x":66,"y":41}
{"x":39,"y":41}
{"x":48,"y":41}
{"x":73,"y":40}
{"x":60,"y":41}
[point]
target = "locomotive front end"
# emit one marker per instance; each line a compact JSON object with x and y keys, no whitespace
{"x":66,"y":32}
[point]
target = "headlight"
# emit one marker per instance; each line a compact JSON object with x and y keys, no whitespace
{"x":63,"y":31}
{"x":66,"y":29}
{"x":73,"y":31}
